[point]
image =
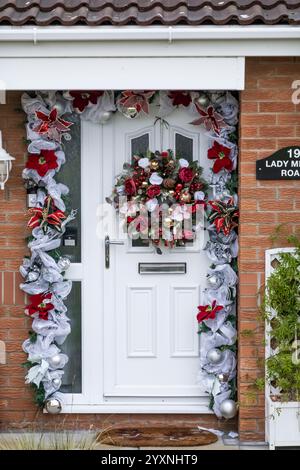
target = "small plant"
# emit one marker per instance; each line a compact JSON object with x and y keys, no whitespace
{"x":282,"y":298}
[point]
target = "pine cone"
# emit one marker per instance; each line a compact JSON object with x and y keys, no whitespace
{"x":169,"y":183}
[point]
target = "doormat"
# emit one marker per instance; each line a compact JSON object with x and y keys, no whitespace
{"x":156,"y":437}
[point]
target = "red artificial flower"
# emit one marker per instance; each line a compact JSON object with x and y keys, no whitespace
{"x":40,"y":304}
{"x":220,"y":153}
{"x":165,"y":154}
{"x":211,"y":120}
{"x":130,"y":187}
{"x":180,"y":98}
{"x":186,"y":174}
{"x":83,"y":98}
{"x":43,"y":162}
{"x":208,"y":311}
{"x":153,"y":191}
{"x":51,"y":125}
{"x":42,"y":216}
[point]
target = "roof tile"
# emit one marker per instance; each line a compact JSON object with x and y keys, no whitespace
{"x":147,"y":12}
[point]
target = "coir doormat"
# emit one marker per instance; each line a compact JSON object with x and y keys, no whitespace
{"x":156,"y":437}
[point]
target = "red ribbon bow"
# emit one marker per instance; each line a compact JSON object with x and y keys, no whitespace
{"x":41,"y":216}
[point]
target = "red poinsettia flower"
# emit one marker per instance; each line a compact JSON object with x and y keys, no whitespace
{"x":48,"y":215}
{"x":209,"y":118}
{"x":83,"y":98}
{"x":180,"y":98}
{"x":51,"y":125}
{"x":220,"y":153}
{"x":43,"y":162}
{"x":136,"y":99}
{"x":40,"y":304}
{"x":208,"y":311}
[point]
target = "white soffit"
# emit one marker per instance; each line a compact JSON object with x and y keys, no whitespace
{"x":100,"y":73}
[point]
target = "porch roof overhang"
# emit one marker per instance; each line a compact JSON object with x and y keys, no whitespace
{"x":137,"y":57}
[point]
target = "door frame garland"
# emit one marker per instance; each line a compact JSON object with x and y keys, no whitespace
{"x":44,"y":270}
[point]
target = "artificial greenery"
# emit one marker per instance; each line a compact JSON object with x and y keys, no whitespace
{"x":283,"y":297}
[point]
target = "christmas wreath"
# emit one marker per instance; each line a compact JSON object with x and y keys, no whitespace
{"x":156,"y":194}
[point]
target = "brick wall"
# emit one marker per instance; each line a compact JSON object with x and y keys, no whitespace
{"x":269,"y":121}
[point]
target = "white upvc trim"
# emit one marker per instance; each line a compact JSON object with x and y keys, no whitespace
{"x":37,"y":34}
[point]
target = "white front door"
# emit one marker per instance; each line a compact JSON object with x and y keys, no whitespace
{"x":150,"y":329}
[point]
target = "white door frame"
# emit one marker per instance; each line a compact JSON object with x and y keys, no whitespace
{"x":91,"y":400}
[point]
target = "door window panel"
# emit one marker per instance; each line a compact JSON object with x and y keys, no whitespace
{"x":72,"y":378}
{"x":70,"y":175}
{"x":184,"y":147}
{"x":140,"y":144}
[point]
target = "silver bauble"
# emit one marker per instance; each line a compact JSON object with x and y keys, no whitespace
{"x":53,"y":406}
{"x":56,"y":382}
{"x":54,"y":361}
{"x":214,"y":356}
{"x":106,"y":115}
{"x":33,"y":276}
{"x":63,"y":263}
{"x":213,"y":281}
{"x":202,"y":100}
{"x":228,"y":409}
{"x":130,"y":112}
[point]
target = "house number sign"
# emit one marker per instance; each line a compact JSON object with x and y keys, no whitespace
{"x":284,"y":164}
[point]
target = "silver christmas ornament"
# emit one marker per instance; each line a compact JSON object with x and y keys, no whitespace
{"x":54,"y":361}
{"x":33,"y":276}
{"x":56,"y":382}
{"x":214,"y":356}
{"x":53,"y":406}
{"x":228,"y":409}
{"x":203,"y":100}
{"x":105,"y":116}
{"x":63,"y":263}
{"x":214,"y":281}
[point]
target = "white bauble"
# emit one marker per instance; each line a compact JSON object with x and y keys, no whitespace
{"x":54,"y":361}
{"x":106,"y":115}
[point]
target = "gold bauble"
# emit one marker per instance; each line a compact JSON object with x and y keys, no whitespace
{"x":154,"y":165}
{"x":144,"y":184}
{"x":169,"y":183}
{"x":185,"y":197}
{"x":167,"y":221}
